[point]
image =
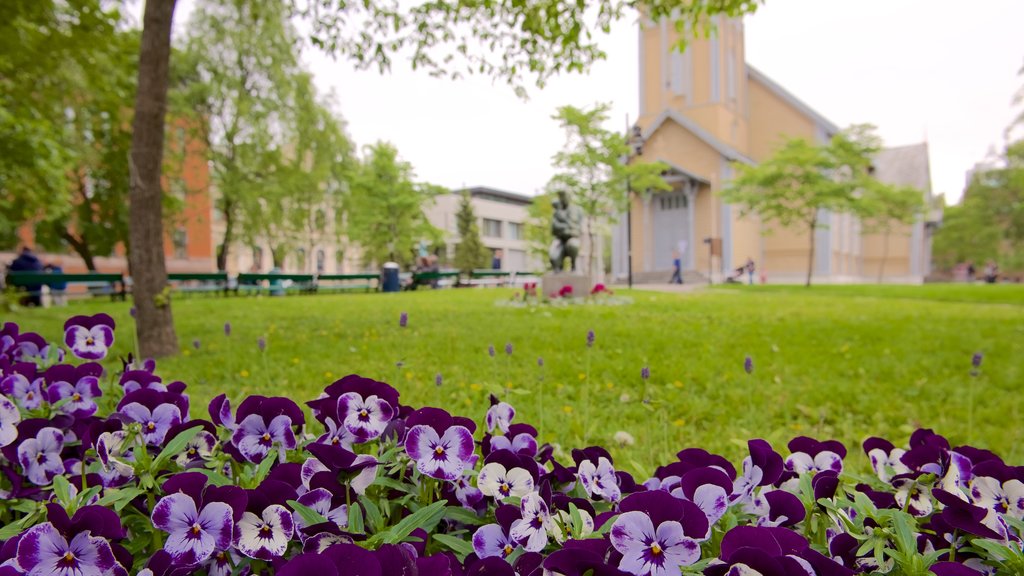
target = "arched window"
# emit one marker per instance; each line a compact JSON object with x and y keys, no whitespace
{"x":321,"y":262}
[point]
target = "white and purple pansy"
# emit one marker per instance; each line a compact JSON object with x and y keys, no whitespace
{"x":23,"y":385}
{"x":133,"y":380}
{"x":360,"y":470}
{"x":200,"y":447}
{"x":199,"y":520}
{"x":44,"y":551}
{"x":499,"y":415}
{"x":115,"y":458}
{"x":440,"y":446}
{"x":265,"y":536}
{"x":494,"y":540}
{"x":1002,"y":492}
{"x":599,"y":480}
{"x":321,"y":500}
{"x":10,"y":416}
{"x":156,"y":412}
{"x":266,"y":423}
{"x":810,"y":455}
{"x":89,"y":337}
{"x":40,"y":456}
{"x":467,"y":494}
{"x":886,"y":459}
{"x":327,"y":405}
{"x":497,"y":482}
{"x":224,"y":563}
{"x":76,"y":385}
{"x":657,"y":534}
{"x":366,"y":418}
{"x":531,"y":529}
{"x":709,"y":488}
{"x":763,"y":467}
{"x":337,"y":435}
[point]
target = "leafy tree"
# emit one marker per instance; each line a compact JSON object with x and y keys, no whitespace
{"x":800,"y":180}
{"x":470,"y":252}
{"x":510,"y":41}
{"x":593,"y":172}
{"x":883,"y":208}
{"x":966,"y":235}
{"x":385,"y":210}
{"x":68,"y":68}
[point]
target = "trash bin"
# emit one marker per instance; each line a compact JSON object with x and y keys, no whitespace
{"x":390,"y":281}
{"x":276,"y":285}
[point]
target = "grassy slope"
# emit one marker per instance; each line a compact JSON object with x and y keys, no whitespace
{"x":848,"y":362}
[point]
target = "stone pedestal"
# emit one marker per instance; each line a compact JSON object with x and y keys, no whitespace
{"x":552,"y":284}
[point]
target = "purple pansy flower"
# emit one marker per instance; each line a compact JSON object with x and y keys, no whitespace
{"x":200,"y":447}
{"x":490,"y":350}
{"x":79,"y":384}
{"x":590,"y":338}
{"x":366,"y":418}
{"x":40,"y":456}
{"x":523,"y":443}
{"x":266,"y":423}
{"x":499,"y":415}
{"x":89,"y":337}
{"x":337,"y":435}
{"x":9,"y":418}
{"x":508,"y":348}
{"x":132,"y":380}
{"x":467,"y":494}
{"x":810,"y":455}
{"x":321,"y":500}
{"x":657,"y":534}
{"x":748,"y":364}
{"x":265,"y":536}
{"x":403,"y":320}
{"x":442,"y":446}
{"x":148,"y":409}
{"x":23,"y":385}
{"x":227,"y":328}
{"x":115,"y":458}
{"x":599,"y":480}
{"x":43,"y":551}
{"x":193,"y":534}
{"x":645,"y":373}
{"x":220,"y":412}
{"x":763,"y":467}
{"x":498,"y":482}
{"x":531,"y":530}
{"x":709,"y":488}
{"x":261,"y":343}
{"x":361,"y":468}
{"x":493,"y":540}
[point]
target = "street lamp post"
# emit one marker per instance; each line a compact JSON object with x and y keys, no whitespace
{"x":635,"y":140}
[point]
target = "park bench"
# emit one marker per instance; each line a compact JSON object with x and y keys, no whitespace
{"x":276,"y":284}
{"x":346,"y":282}
{"x":488,"y":277}
{"x":443,"y":278}
{"x":200,"y":282}
{"x":95,"y":283}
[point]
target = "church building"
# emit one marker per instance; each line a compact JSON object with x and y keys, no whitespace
{"x":701,"y":112}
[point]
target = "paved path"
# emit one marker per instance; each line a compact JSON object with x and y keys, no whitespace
{"x":671,"y":288}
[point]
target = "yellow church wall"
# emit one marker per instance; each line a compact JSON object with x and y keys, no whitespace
{"x":897,"y":263}
{"x":773,"y":121}
{"x":785,"y":252}
{"x":746,"y":239}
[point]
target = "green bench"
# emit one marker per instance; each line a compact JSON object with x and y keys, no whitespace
{"x":97,"y":284}
{"x":200,"y":282}
{"x":490,"y":277}
{"x":425,"y":278}
{"x":254,"y":283}
{"x":344,"y":282}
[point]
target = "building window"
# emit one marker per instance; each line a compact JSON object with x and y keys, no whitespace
{"x":300,"y":259}
{"x":339,"y":261}
{"x":515,"y":230}
{"x":321,"y":262}
{"x":492,"y":228}
{"x":180,"y":240}
{"x":673,"y":202}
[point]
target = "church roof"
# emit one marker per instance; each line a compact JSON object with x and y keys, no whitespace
{"x":790,"y":99}
{"x":674,"y":168}
{"x":905,"y":166}
{"x":721,"y":147}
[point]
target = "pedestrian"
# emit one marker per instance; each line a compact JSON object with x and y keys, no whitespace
{"x":58,"y":289}
{"x":750,"y":270}
{"x":677,"y":268}
{"x":991,"y":272}
{"x":970,"y":272}
{"x":28,"y":262}
{"x":496,"y":259}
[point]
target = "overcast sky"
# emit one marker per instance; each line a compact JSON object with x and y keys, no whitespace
{"x":941,"y":70}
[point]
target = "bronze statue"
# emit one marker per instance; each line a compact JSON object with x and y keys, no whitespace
{"x":566,"y":226}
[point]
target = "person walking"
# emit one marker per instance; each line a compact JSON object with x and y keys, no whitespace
{"x":750,"y":267}
{"x":677,"y":268}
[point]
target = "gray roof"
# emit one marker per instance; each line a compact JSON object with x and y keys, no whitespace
{"x":791,"y":99}
{"x":677,"y":169}
{"x":486,"y":193}
{"x":905,"y":166}
{"x":721,"y":147}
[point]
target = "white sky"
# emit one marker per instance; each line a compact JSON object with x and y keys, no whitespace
{"x":941,"y":70}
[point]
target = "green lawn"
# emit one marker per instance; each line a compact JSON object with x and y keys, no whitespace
{"x":842,"y":362}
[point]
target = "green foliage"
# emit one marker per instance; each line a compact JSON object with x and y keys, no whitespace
{"x":511,"y":41}
{"x":538,"y":225}
{"x":884,"y":208}
{"x":66,"y":72}
{"x":592,"y":170}
{"x":801,"y":179}
{"x":385,"y":208}
{"x":470,"y":252}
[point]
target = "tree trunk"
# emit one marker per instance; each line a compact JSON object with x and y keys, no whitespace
{"x":81,"y":247}
{"x":810,"y":258}
{"x":885,"y":255}
{"x":149,"y":270}
{"x":229,"y":233}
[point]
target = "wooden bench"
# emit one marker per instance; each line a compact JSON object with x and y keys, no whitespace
{"x":488,"y":277}
{"x":300,"y":283}
{"x":343,"y":282}
{"x":200,"y":282}
{"x":425,"y":278}
{"x":97,"y":284}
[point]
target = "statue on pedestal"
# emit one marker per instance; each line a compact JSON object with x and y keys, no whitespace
{"x":566,"y":227}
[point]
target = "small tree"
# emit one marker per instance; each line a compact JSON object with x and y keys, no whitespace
{"x":800,"y":180}
{"x":884,"y":207}
{"x":593,"y":170}
{"x":470,"y":252}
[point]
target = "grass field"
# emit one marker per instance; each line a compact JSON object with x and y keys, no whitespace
{"x":842,"y":362}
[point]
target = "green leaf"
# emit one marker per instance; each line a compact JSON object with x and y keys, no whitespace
{"x":309,"y":516}
{"x":213,"y":477}
{"x":463,"y":515}
{"x":394,"y":484}
{"x":355,"y":520}
{"x":425,"y":518}
{"x":372,"y":514}
{"x":264,"y":467}
{"x":460,"y":546}
{"x":15,"y":528}
{"x":577,"y":520}
{"x":118,"y":498}
{"x":63,"y":491}
{"x":174,"y":447}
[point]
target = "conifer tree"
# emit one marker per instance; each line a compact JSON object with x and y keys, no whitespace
{"x":470,"y":252}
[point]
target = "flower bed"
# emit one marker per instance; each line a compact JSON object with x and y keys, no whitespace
{"x":105,"y":472}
